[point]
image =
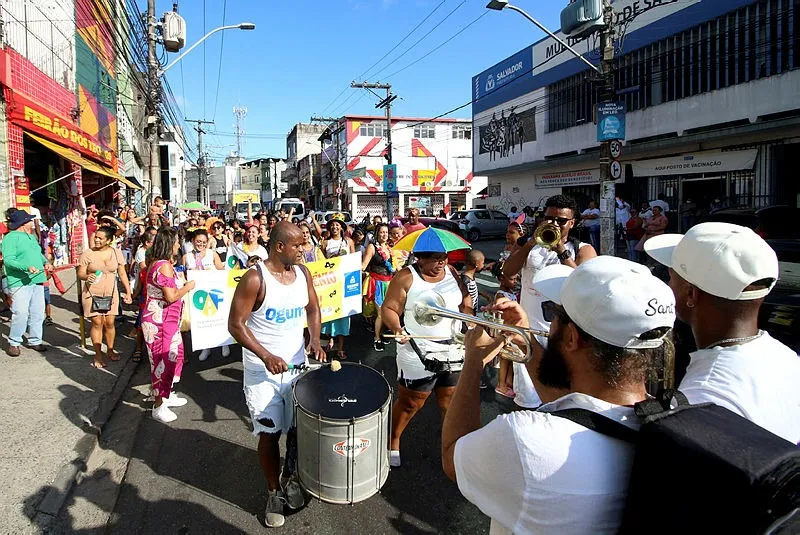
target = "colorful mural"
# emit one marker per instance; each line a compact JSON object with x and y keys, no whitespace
{"x":95,"y":71}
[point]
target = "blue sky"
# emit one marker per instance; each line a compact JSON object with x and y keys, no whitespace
{"x":304,"y":53}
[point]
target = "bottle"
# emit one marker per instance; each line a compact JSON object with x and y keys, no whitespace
{"x":97,"y":275}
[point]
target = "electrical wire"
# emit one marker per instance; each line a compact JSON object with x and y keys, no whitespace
{"x":219,"y":68}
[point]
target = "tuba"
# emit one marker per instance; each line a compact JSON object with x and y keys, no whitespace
{"x":547,"y":235}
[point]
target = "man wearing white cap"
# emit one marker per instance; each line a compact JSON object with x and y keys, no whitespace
{"x":533,"y":472}
{"x":720,"y":274}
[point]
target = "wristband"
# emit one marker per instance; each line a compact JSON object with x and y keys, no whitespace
{"x":563,"y":255}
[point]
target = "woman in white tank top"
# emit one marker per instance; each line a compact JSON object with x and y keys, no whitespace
{"x":337,"y":245}
{"x":423,"y":365}
{"x":201,"y":257}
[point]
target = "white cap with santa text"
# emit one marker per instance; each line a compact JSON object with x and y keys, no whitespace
{"x":612,"y":299}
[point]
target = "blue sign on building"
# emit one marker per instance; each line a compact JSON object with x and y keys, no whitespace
{"x":390,"y":178}
{"x":610,"y":121}
{"x":520,"y":64}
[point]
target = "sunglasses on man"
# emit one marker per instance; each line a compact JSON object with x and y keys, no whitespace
{"x":560,"y":220}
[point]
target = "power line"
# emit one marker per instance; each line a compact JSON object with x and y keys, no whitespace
{"x":204,"y":59}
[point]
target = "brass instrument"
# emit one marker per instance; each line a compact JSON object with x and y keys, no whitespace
{"x":430,"y":309}
{"x":547,"y":235}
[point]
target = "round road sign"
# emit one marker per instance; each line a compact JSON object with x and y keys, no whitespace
{"x":616,"y":169}
{"x":338,"y":191}
{"x":616,"y":148}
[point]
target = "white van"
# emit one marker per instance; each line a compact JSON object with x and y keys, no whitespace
{"x":289,"y":203}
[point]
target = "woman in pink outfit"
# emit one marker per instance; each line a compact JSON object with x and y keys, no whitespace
{"x":161,"y":321}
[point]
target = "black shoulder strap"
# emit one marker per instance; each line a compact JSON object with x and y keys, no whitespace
{"x":597,"y":422}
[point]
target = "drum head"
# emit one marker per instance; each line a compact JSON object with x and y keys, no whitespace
{"x":352,"y":392}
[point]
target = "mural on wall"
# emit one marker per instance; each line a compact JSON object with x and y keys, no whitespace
{"x":95,"y":72}
{"x":504,"y":135}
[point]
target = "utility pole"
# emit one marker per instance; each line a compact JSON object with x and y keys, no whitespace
{"x":154,"y":90}
{"x":202,"y":173}
{"x":607,"y":183}
{"x":385,"y":103}
{"x":240,"y":112}
{"x":336,"y":167}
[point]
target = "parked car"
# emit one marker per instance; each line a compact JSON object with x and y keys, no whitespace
{"x":481,"y":223}
{"x":323,"y":217}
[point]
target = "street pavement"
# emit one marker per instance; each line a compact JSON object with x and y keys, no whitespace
{"x":52,"y":405}
{"x":200,"y":474}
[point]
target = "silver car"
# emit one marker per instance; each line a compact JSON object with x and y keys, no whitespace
{"x":481,"y":223}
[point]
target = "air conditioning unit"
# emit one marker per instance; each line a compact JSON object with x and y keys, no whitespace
{"x":582,"y":18}
{"x":174,"y":31}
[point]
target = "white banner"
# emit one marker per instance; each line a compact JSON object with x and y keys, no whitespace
{"x":699,"y":162}
{"x":568,"y":178}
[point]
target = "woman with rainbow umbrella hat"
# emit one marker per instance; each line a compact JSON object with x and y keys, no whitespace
{"x":430,"y":364}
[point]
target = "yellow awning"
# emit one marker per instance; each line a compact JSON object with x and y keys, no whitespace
{"x":83,"y":162}
{"x":64,"y":152}
{"x":91,"y":166}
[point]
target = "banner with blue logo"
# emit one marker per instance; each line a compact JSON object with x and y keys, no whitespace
{"x":490,"y":80}
{"x":337,"y":282}
{"x":610,"y":121}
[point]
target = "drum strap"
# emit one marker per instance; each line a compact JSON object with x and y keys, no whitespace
{"x":434,"y":365}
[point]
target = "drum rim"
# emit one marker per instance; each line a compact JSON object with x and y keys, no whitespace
{"x":297,"y":404}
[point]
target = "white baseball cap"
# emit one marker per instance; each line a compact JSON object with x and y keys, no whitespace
{"x":719,"y":258}
{"x":612,"y":299}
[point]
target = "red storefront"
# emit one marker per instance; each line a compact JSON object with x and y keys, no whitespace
{"x":49,"y":155}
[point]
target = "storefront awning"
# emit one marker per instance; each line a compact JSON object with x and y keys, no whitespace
{"x":83,"y":162}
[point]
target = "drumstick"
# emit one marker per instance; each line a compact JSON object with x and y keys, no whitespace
{"x":419,"y":336}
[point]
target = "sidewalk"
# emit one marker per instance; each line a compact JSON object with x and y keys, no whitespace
{"x":52,"y":406}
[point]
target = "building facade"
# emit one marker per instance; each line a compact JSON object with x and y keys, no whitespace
{"x":221,"y":179}
{"x":711,"y":91}
{"x":264,"y":174}
{"x":58,"y":71}
{"x":433,"y":158}
{"x":301,"y":141}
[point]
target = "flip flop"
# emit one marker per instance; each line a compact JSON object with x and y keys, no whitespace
{"x":137,"y":356}
{"x":113,"y":356}
{"x":98,"y":365}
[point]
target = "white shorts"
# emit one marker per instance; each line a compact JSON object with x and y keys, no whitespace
{"x":410,"y":367}
{"x":269,"y":399}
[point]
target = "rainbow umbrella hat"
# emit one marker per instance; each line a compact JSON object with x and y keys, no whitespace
{"x":432,"y":240}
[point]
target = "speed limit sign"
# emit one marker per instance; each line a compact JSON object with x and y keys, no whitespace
{"x":615,"y":147}
{"x":616,"y":169}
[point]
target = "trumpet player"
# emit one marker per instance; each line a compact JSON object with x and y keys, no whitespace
{"x":528,"y":260}
{"x":423,"y":365}
{"x":535,"y":472}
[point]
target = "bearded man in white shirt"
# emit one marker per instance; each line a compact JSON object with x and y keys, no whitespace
{"x":535,"y":472}
{"x":720,"y":274}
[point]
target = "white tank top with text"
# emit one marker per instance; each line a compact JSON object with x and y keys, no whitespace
{"x":279,"y":322}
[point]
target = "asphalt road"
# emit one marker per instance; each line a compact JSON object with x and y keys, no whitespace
{"x":200,"y":474}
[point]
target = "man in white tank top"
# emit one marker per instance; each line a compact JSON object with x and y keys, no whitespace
{"x":272,"y":303}
{"x":423,"y":365}
{"x":528,"y":260}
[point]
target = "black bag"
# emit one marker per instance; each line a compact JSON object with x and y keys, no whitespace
{"x":101,"y":304}
{"x":703,"y":469}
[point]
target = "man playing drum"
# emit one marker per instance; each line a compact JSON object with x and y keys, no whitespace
{"x":423,"y":365}
{"x":271,"y":305}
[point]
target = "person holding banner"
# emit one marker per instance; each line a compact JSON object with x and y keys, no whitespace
{"x":269,"y":310}
{"x":202,"y":257}
{"x":337,"y":245}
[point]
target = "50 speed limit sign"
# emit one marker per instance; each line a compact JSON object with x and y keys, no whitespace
{"x":615,"y":147}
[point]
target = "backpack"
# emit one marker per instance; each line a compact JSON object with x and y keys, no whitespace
{"x":703,"y":469}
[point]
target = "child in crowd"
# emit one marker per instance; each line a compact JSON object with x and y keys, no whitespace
{"x":508,"y":284}
{"x":473,"y":264}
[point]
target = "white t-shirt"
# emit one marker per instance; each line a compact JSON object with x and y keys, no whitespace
{"x":531,"y":472}
{"x":513,"y":215}
{"x":623,"y":212}
{"x":759,"y":380}
{"x":591,"y":222}
{"x":525,"y":394}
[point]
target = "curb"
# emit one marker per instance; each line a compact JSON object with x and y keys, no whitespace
{"x":48,"y":508}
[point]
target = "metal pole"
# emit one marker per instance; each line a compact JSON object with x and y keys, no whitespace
{"x":389,"y":201}
{"x":607,"y":185}
{"x":153,"y":74}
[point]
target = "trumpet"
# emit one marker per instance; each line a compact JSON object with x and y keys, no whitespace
{"x":547,"y":235}
{"x":429,"y":310}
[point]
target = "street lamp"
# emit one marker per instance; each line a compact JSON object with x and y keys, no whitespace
{"x":499,"y":5}
{"x":240,"y":26}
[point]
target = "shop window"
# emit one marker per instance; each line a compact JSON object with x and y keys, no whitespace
{"x":462,"y":131}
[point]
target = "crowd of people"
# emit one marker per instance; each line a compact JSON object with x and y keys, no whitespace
{"x":531,"y":471}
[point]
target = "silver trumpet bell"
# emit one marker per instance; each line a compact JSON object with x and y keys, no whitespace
{"x":429,"y":310}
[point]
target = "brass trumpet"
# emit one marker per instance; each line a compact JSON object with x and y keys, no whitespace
{"x":547,"y":235}
{"x":430,"y":309}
